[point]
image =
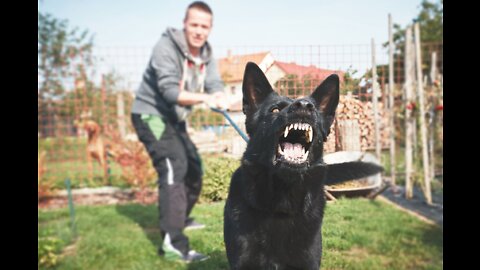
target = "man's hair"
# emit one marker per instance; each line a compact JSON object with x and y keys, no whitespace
{"x":199,"y":5}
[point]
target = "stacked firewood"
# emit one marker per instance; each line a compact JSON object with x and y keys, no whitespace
{"x":350,"y":108}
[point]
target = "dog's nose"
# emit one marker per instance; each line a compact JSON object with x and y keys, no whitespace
{"x":303,"y":104}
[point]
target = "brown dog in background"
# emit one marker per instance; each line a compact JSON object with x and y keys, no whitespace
{"x":96,"y":148}
{"x":41,"y":165}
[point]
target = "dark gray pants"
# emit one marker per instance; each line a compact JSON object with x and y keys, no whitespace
{"x":179,"y":170}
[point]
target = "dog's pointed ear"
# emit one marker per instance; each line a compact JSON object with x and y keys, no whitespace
{"x":255,"y":88}
{"x":326,"y":97}
{"x":341,"y":172}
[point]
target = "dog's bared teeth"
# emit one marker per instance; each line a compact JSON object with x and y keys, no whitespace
{"x":310,"y":134}
{"x":280,"y":150}
{"x":295,"y":126}
{"x":290,"y":127}
{"x":285,"y":134}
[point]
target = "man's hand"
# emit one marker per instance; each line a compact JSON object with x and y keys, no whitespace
{"x":218,"y":100}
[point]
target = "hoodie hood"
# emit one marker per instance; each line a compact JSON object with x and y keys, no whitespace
{"x":178,"y":38}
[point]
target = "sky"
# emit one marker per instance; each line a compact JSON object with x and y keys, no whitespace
{"x":250,"y":23}
{"x":245,"y":22}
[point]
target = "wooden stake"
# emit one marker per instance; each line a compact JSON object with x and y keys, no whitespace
{"x":423,"y":128}
{"x":330,"y":196}
{"x":121,"y":115}
{"x":432,"y":119}
{"x":375,"y":95}
{"x":349,"y":135}
{"x":408,"y":114}
{"x":391,"y":101}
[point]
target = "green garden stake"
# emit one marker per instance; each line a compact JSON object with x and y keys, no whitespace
{"x":70,"y":206}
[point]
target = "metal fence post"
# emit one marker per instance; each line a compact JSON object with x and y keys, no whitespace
{"x":71,"y":208}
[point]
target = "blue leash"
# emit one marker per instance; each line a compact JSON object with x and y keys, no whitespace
{"x":225,"y":114}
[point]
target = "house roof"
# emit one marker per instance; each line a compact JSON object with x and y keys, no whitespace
{"x":232,"y":67}
{"x":293,"y":69}
{"x":301,"y":71}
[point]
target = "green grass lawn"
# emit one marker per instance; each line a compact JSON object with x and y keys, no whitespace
{"x":357,"y":234}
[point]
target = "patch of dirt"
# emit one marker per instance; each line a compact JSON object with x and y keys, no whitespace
{"x":357,"y":252}
{"x":71,"y":249}
{"x":149,"y":196}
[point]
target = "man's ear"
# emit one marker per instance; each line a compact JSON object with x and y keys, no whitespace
{"x":255,"y":88}
{"x":341,"y":172}
{"x":326,"y":98}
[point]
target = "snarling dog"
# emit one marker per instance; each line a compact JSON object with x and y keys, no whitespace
{"x":274,"y":211}
{"x":96,"y":148}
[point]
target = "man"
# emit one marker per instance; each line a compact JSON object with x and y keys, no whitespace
{"x":180,"y":73}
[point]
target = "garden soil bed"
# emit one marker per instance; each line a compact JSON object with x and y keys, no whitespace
{"x":99,"y":196}
{"x":416,"y":206}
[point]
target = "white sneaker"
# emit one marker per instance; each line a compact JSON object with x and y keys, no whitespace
{"x":194,"y":256}
{"x":193,"y":225}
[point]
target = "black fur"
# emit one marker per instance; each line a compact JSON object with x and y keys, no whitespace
{"x":274,"y":210}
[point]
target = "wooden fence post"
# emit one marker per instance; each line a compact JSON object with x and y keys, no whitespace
{"x":432,"y":114}
{"x":376,"y":120}
{"x":391,"y":101}
{"x":104,"y":102}
{"x":121,"y":115}
{"x":423,"y":128}
{"x":349,"y":135}
{"x":408,"y":114}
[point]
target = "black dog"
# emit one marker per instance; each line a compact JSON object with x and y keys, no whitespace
{"x":274,"y":210}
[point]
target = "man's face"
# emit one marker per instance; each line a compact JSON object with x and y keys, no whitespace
{"x":198,"y":25}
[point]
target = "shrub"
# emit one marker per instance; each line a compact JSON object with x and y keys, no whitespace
{"x":48,"y":249}
{"x":202,"y":117}
{"x":135,"y":163}
{"x":216,"y":180}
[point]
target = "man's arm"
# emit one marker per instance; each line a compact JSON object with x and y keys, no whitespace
{"x":186,"y":98}
{"x":215,"y":100}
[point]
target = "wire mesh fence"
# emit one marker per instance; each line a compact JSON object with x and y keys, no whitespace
{"x":89,"y":120}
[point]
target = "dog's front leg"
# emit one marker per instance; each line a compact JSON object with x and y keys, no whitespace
{"x":90,"y":168}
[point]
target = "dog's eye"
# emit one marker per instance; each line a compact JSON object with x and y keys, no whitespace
{"x":275,"y":110}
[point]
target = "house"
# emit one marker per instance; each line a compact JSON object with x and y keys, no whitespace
{"x":231,"y":70}
{"x":300,"y":72}
{"x":232,"y":67}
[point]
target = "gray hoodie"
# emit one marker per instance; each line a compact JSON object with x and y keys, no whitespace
{"x":172,"y":69}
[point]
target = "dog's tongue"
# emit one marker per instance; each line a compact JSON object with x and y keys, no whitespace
{"x":293,"y":150}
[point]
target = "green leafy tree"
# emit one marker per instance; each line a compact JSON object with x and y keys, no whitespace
{"x":61,"y":54}
{"x":430,"y":19}
{"x":350,"y":83}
